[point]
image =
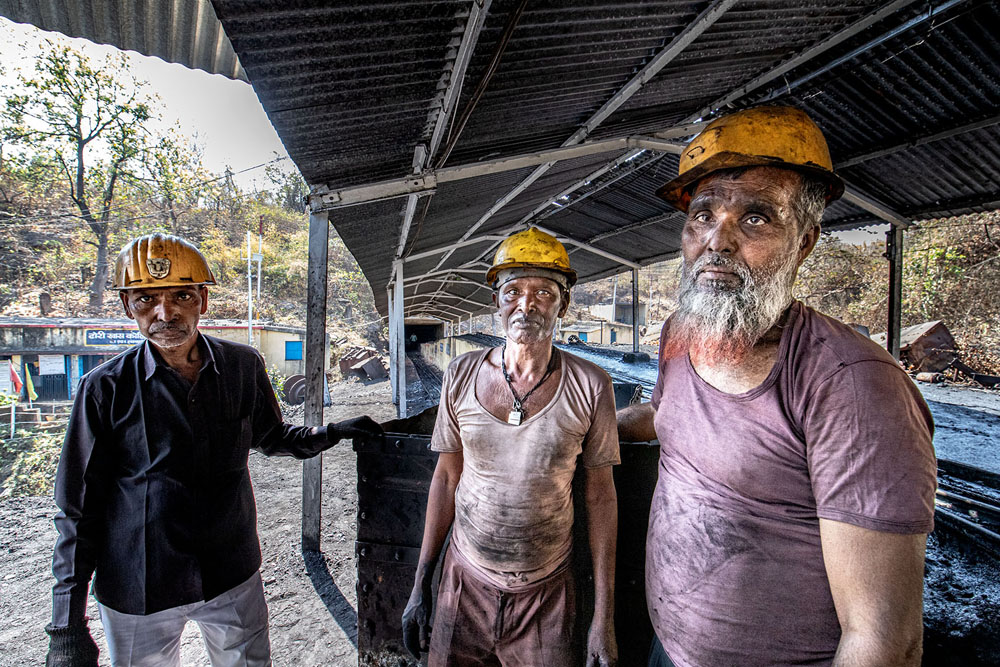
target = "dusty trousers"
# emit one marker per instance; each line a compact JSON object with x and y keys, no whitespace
{"x":478,"y":624}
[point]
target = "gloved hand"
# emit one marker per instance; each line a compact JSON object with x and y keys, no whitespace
{"x":417,"y":622}
{"x":71,"y":647}
{"x":355,"y":427}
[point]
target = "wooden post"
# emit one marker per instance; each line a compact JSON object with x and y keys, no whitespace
{"x":312,"y":469}
{"x":400,"y":346}
{"x":635,"y":310}
{"x":894,"y":252}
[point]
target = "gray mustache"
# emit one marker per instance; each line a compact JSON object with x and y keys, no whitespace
{"x":716,"y":259}
{"x":165,"y":327}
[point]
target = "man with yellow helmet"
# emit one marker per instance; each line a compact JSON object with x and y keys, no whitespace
{"x":796,"y":468}
{"x":153,"y":489}
{"x":510,"y":427}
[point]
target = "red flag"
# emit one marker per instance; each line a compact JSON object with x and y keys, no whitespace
{"x":15,"y":378}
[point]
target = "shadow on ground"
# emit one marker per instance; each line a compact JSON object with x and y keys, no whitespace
{"x":340,"y":609}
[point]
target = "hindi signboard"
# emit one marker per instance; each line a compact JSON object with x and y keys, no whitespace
{"x":111,"y":337}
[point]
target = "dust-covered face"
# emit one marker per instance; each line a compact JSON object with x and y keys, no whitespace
{"x":529,"y":308}
{"x":742,"y":246}
{"x":167,"y":316}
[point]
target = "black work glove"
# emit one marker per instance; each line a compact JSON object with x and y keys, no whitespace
{"x":71,"y":647}
{"x":417,"y":622}
{"x":356,"y":427}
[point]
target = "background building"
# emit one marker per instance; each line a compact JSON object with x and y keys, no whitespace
{"x":57,"y":352}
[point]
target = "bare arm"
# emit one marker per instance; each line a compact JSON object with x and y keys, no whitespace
{"x":602,"y":520}
{"x":877,"y":583}
{"x":440,"y":514}
{"x":635,"y":423}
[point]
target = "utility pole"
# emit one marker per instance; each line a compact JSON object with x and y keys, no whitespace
{"x":251,"y":258}
{"x":260,"y":254}
{"x":249,"y":292}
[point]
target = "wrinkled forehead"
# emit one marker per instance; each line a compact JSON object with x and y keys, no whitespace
{"x":764,"y":184}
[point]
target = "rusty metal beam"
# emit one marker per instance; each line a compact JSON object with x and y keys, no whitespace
{"x":875,"y":207}
{"x":425,"y":182}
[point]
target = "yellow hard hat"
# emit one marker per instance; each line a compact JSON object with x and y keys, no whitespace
{"x":531,"y":248}
{"x":760,"y":137}
{"x":160,"y":260}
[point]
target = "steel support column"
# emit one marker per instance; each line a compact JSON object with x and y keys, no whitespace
{"x":312,"y":469}
{"x":390,"y":320}
{"x":398,"y":310}
{"x":894,"y":253}
{"x":635,"y":310}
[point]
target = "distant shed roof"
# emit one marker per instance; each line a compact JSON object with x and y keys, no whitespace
{"x":907,"y":92}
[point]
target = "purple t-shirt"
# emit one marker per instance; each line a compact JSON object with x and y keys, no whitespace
{"x":734,"y":566}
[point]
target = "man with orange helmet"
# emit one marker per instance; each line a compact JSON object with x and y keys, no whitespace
{"x":512,"y":422}
{"x":797,"y":475}
{"x":153,"y":489}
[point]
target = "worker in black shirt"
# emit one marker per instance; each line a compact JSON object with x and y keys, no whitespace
{"x":153,"y":488}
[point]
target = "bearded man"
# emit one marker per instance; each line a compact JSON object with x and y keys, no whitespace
{"x":512,"y":423}
{"x":796,"y":475}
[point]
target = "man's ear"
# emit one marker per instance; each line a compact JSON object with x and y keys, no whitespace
{"x":496,"y":302}
{"x":808,"y":242}
{"x":123,"y":295}
{"x":203,"y":293}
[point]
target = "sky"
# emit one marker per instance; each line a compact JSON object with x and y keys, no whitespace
{"x":220,"y":115}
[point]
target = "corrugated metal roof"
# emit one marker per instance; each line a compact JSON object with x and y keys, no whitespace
{"x":178,"y":31}
{"x":907,"y":92}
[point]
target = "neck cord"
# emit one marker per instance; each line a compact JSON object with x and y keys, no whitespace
{"x":506,"y":376}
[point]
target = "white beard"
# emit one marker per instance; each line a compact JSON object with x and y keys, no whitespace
{"x":721,"y":323}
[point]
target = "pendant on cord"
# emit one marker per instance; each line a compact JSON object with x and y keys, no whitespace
{"x":516,"y":415}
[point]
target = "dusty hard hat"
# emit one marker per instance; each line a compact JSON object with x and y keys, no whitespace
{"x":531,"y":248}
{"x":760,"y":137}
{"x":160,"y":260}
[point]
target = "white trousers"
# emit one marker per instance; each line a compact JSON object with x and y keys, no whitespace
{"x":233,"y":625}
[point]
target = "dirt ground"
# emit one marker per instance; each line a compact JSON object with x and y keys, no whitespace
{"x":312,"y":606}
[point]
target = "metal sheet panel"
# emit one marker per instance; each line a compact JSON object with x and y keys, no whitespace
{"x":178,"y":31}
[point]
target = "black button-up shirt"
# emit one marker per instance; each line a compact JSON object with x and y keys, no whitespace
{"x":153,"y":487}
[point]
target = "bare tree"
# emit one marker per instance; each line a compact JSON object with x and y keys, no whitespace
{"x":91,"y":123}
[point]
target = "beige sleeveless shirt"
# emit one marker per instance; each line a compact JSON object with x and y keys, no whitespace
{"x":513,"y":504}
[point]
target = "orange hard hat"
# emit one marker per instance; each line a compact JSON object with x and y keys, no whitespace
{"x":765,"y":136}
{"x":160,"y":260}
